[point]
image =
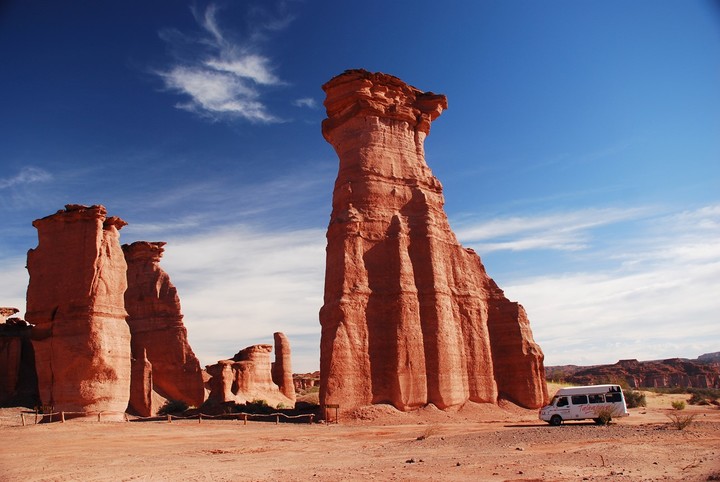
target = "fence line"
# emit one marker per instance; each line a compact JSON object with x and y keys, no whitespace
{"x":169,"y":418}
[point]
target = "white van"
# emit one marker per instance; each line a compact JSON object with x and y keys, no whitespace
{"x":581,"y":403}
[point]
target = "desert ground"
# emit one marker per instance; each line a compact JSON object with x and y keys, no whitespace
{"x":476,"y":442}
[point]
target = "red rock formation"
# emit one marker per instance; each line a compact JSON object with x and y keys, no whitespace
{"x":245,"y":378}
{"x":6,"y":312}
{"x":18,"y":382}
{"x":409,"y":315}
{"x":75,"y":300}
{"x":669,"y":373}
{"x":306,"y":381}
{"x":141,"y":386}
{"x":159,"y":337}
{"x":282,"y":374}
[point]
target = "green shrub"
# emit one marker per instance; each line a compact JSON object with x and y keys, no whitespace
{"x":635,"y":399}
{"x":678,"y":405}
{"x":173,"y":407}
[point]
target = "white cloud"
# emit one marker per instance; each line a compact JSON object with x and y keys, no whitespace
{"x":238,"y":285}
{"x":308,"y":102}
{"x":13,"y":283}
{"x":253,"y":67}
{"x":560,"y":231}
{"x":225,"y":78}
{"x":654,"y":296}
{"x":214,"y":93}
{"x":27,"y":175}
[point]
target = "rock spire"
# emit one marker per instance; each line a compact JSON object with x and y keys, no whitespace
{"x":158,"y":336}
{"x":75,"y":300}
{"x":410,"y":317}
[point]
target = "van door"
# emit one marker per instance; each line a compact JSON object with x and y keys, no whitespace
{"x":562,"y":407}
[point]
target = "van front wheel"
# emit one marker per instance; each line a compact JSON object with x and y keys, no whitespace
{"x":555,"y":420}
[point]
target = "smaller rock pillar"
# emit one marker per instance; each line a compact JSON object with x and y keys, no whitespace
{"x":282,"y":368}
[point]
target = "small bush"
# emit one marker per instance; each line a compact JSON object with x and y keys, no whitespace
{"x":604,"y":414}
{"x":703,"y":396}
{"x":431,"y":430}
{"x":257,"y":406}
{"x":635,"y":399}
{"x":679,"y":421}
{"x":173,"y":407}
{"x":678,"y":405}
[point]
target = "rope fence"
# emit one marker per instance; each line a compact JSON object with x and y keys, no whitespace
{"x":48,"y":416}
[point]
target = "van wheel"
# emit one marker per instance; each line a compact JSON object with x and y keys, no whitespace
{"x":555,"y":420}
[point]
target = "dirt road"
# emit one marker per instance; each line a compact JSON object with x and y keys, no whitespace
{"x":478,"y":442}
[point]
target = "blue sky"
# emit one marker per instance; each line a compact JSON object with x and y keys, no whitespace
{"x":579,"y":154}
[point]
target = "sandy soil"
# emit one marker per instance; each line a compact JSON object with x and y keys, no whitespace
{"x":477,"y":442}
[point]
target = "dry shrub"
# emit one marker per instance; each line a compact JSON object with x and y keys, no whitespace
{"x":680,"y":422}
{"x":604,"y":414}
{"x":431,"y":430}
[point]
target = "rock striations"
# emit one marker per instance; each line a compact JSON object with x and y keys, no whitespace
{"x":410,"y":317}
{"x":75,"y":300}
{"x":162,"y":358}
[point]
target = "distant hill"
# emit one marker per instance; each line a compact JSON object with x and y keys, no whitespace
{"x":702,"y":372}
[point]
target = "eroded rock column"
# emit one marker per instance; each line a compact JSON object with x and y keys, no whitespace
{"x":406,"y":307}
{"x":245,"y":378}
{"x":75,"y":299}
{"x":282,"y":367}
{"x":159,"y":337}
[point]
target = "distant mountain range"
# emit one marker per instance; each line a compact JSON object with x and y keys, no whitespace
{"x":702,"y":372}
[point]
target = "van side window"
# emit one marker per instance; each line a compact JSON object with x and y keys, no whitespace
{"x":562,"y":402}
{"x":596,"y":398}
{"x":579,"y":399}
{"x":614,"y":397}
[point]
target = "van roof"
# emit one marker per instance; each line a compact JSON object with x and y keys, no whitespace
{"x":589,"y":389}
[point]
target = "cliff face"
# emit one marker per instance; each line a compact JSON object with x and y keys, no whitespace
{"x":75,"y":300}
{"x":703,"y":372}
{"x":410,"y":316}
{"x":156,"y":327}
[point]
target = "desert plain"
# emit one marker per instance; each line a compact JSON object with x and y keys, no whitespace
{"x":475,"y":442}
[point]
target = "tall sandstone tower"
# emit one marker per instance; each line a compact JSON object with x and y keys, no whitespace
{"x":75,"y":300}
{"x":410,"y":317}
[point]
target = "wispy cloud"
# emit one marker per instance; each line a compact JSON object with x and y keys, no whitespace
{"x":13,"y":282}
{"x":308,"y":102}
{"x":225,"y":79}
{"x":567,"y":231}
{"x":27,"y":175}
{"x":239,"y":284}
{"x":654,"y":295}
